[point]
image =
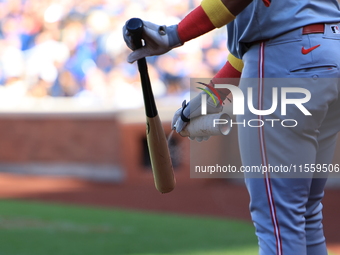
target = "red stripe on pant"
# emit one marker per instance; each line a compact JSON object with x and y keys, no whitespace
{"x":267,"y":2}
{"x":264,"y":158}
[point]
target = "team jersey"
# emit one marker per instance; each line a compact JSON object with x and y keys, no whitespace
{"x":258,"y":22}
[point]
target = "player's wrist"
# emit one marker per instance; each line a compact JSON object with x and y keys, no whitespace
{"x":173,"y":36}
{"x":235,"y":62}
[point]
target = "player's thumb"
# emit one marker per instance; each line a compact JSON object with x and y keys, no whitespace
{"x":180,"y":125}
{"x":137,"y":54}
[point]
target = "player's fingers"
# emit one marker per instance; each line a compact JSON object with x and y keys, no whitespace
{"x":205,"y":138}
{"x":128,"y":39}
{"x":175,"y":118}
{"x":199,"y":139}
{"x":180,"y":125}
{"x":138,"y":54}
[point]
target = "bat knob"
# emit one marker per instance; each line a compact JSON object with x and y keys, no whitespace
{"x":135,"y":26}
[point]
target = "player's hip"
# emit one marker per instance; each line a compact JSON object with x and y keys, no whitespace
{"x":309,"y":52}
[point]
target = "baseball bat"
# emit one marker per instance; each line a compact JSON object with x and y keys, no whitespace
{"x":207,"y":125}
{"x":162,"y":169}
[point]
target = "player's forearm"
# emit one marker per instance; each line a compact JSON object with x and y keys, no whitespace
{"x":230,"y":73}
{"x":209,"y":15}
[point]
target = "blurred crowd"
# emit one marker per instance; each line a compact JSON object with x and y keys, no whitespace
{"x":75,"y":48}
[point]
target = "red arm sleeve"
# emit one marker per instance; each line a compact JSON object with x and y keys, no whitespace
{"x":230,"y":73}
{"x":196,"y":23}
{"x":209,"y":15}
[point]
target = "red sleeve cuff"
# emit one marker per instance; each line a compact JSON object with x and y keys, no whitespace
{"x":195,"y":24}
{"x":227,"y":75}
{"x":228,"y":71}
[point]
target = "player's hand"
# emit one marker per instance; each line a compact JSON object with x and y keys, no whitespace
{"x":191,"y":110}
{"x":157,"y":39}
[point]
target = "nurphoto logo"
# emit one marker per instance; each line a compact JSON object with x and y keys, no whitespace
{"x":213,"y":95}
{"x":239,"y":104}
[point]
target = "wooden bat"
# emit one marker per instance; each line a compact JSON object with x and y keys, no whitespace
{"x":157,"y":143}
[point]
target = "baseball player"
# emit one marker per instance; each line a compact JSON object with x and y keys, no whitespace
{"x":285,"y":46}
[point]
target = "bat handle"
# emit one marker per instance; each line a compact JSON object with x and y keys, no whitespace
{"x":135,"y":27}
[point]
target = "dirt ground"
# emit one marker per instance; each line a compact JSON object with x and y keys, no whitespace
{"x":214,"y":198}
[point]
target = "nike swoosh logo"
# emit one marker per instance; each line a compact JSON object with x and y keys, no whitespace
{"x":306,"y":51}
